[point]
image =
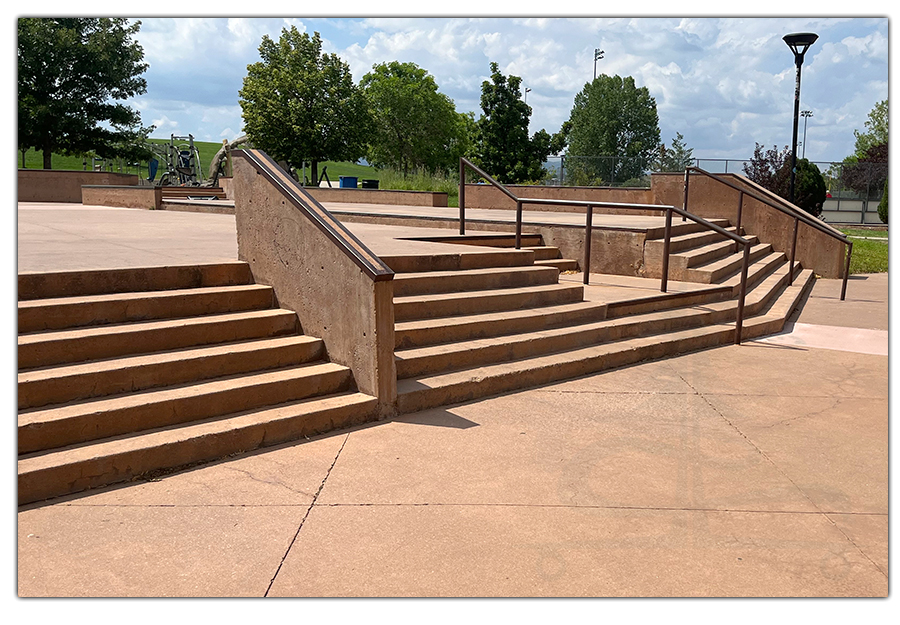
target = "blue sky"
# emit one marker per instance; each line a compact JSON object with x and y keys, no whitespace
{"x":724,"y":83}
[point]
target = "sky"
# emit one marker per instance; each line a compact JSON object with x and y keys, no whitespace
{"x":725,"y":83}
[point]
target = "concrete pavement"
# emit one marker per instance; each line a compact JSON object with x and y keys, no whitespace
{"x":757,"y":470}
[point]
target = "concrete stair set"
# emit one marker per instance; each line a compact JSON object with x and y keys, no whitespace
{"x":128,"y":372}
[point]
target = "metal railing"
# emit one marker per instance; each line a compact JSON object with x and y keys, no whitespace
{"x":520,"y":202}
{"x":784,"y":207}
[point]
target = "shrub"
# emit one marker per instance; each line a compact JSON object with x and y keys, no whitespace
{"x":883,"y":205}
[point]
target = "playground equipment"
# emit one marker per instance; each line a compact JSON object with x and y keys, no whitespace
{"x":181,"y":161}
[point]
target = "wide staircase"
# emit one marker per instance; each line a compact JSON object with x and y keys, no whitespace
{"x":131,"y":372}
{"x":476,"y":325}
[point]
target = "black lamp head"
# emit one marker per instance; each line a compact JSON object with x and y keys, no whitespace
{"x":799,"y":43}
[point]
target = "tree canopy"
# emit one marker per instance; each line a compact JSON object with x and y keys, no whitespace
{"x":876,"y":130}
{"x":71,"y":71}
{"x":677,"y":158}
{"x":414,"y":125}
{"x":614,"y":130}
{"x":504,"y":148}
{"x":300,"y":104}
{"x":771,"y":169}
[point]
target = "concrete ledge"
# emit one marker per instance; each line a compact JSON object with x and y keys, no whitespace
{"x":123,"y":196}
{"x":379,"y":196}
{"x":45,"y":185}
{"x":488,"y":196}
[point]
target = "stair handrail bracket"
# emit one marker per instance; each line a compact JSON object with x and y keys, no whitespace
{"x":747,"y":189}
{"x":341,"y":291}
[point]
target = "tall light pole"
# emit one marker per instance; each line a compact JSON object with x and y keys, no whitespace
{"x":527,"y":89}
{"x":598,"y":54}
{"x":799,"y":43}
{"x":805,"y":115}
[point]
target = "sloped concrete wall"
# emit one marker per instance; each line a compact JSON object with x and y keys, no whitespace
{"x":711,"y":199}
{"x":313,"y":274}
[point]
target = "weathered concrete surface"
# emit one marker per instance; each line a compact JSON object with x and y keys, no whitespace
{"x":379,"y":196}
{"x":45,"y":185}
{"x":122,"y":196}
{"x":711,"y":199}
{"x":488,"y":196}
{"x":313,"y":275}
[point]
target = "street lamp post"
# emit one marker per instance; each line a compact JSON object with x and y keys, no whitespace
{"x":527,"y":89}
{"x":799,"y":43}
{"x":805,"y":115}
{"x":598,"y":54}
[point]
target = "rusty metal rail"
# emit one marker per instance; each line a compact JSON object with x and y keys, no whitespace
{"x":784,"y":207}
{"x":520,"y":202}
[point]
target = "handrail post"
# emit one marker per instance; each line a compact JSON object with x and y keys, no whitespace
{"x":462,"y":196}
{"x":846,"y":270}
{"x":588,"y":230}
{"x":665,"y":259}
{"x":687,"y":181}
{"x":518,"y":224}
{"x":739,"y":321}
{"x":739,"y":216}
{"x":793,"y":251}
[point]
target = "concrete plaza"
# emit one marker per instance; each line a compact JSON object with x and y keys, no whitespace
{"x":758,"y":470}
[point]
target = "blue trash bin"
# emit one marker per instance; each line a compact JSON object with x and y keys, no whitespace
{"x":348,"y":182}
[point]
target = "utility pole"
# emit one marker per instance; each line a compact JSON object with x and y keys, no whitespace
{"x":598,"y":54}
{"x":805,"y":115}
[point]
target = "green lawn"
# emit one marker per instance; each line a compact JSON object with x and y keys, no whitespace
{"x":868,"y":256}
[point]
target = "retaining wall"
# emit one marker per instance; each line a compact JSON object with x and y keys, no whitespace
{"x":47,"y":185}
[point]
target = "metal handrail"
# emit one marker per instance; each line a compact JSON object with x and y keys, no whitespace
{"x":784,"y":207}
{"x":739,"y":240}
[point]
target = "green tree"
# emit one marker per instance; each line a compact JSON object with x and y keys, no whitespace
{"x":883,"y":205}
{"x":504,"y":148}
{"x":614,"y":129}
{"x":877,"y":130}
{"x":71,"y":72}
{"x":299,"y":104}
{"x":414,"y":125}
{"x":771,"y":169}
{"x":677,"y":158}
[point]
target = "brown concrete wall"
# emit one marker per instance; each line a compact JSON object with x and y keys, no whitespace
{"x":225,"y":183}
{"x":379,"y":196}
{"x":45,"y":185}
{"x":312,"y":275}
{"x":126,"y":197}
{"x":489,"y":196}
{"x":709,"y":198}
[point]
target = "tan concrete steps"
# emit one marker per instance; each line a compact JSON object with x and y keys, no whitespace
{"x":720,"y":269}
{"x":432,"y":359}
{"x":81,"y":467}
{"x":688,"y":241}
{"x":562,"y":264}
{"x":544,"y":252}
{"x":83,"y":421}
{"x":422,"y":332}
{"x":773,"y":319}
{"x":98,"y":342}
{"x":67,"y":312}
{"x":432,"y":282}
{"x":476,"y":259}
{"x":708,"y":253}
{"x":758,"y":269}
{"x":420,"y":393}
{"x":468,"y":303}
{"x":46,"y":285}
{"x":66,"y":383}
{"x":681,"y":228}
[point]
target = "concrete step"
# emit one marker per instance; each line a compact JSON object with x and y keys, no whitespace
{"x":720,"y":269}
{"x":455,"y":304}
{"x":562,"y":264}
{"x":420,"y":393}
{"x":758,"y":270}
{"x":419,"y":333}
{"x":69,"y":312}
{"x":78,"y":468}
{"x":58,"y":384}
{"x":476,"y":259}
{"x":681,"y":228}
{"x":686,"y":241}
{"x":47,"y":285}
{"x":79,"y":422}
{"x":709,"y":253}
{"x":433,"y":359}
{"x":432,"y":282}
{"x":94,"y":343}
{"x":545,"y":252}
{"x":772,"y":320}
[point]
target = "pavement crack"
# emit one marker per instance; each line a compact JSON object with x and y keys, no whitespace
{"x":306,"y":515}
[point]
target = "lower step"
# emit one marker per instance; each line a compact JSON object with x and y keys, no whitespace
{"x":421,"y":393}
{"x":76,"y":469}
